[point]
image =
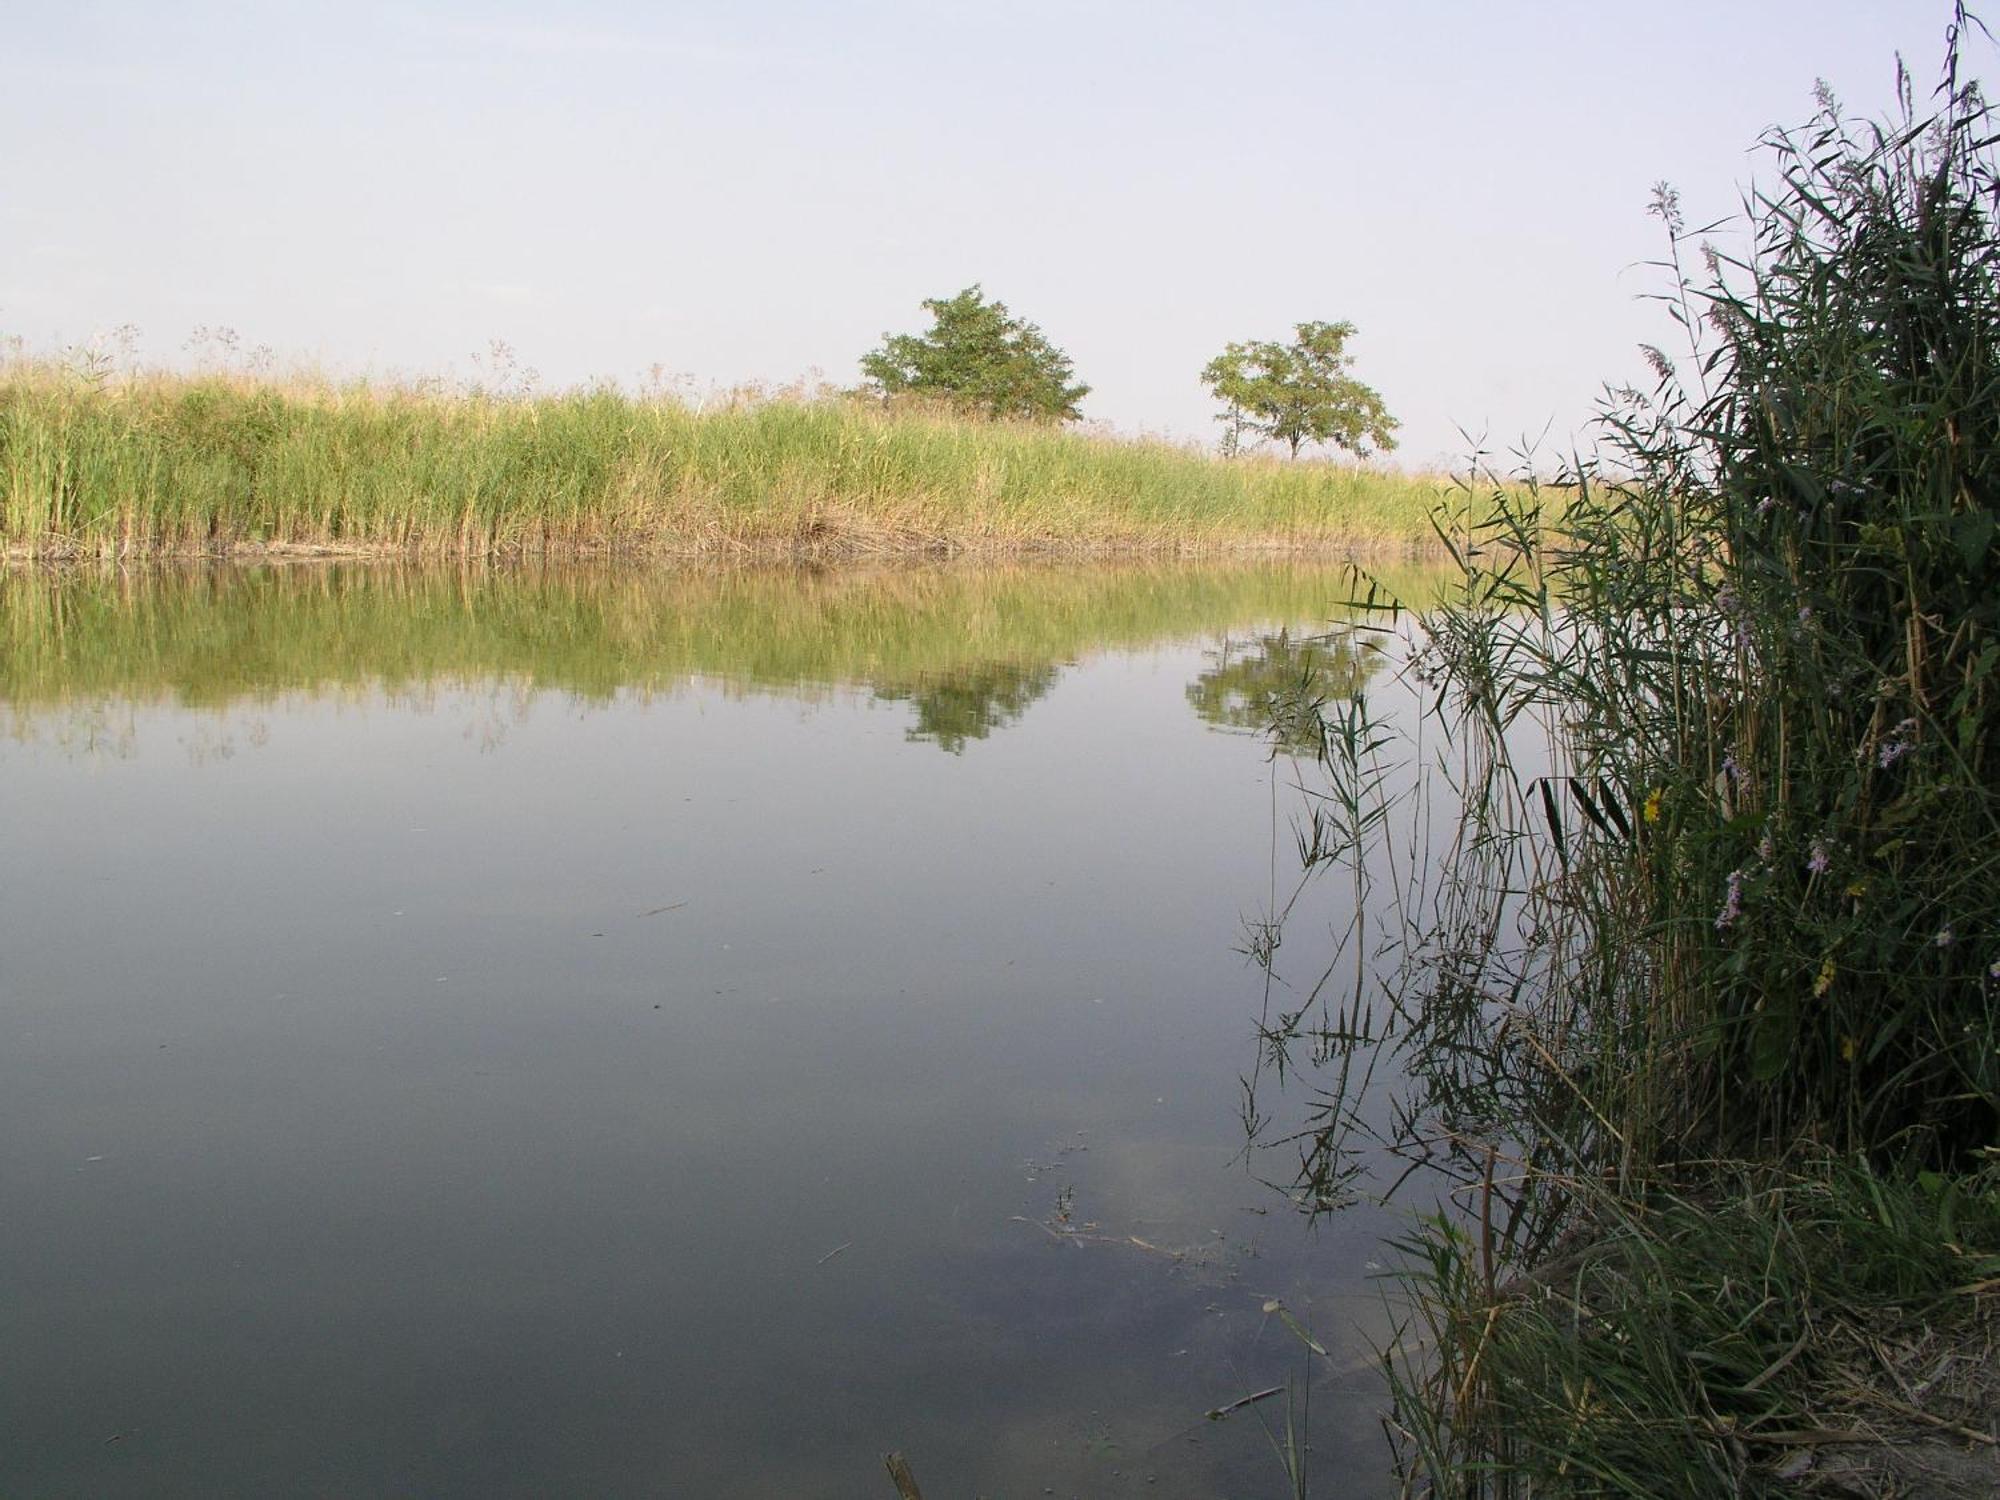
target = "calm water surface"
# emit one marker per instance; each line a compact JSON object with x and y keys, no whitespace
{"x":542,"y":1032}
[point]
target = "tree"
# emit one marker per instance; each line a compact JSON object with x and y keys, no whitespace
{"x":1298,"y":393}
{"x":980,"y":358}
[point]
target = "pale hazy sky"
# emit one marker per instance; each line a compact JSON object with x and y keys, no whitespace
{"x":755,"y":190}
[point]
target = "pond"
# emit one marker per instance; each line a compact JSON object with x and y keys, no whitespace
{"x":595,"y":1031}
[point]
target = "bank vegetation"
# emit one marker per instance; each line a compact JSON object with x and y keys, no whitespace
{"x":1696,"y":1005}
{"x":97,"y":462}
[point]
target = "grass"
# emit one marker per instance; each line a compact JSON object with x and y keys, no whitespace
{"x":1697,"y":1006}
{"x":96,"y":463}
{"x":1809,"y":1327}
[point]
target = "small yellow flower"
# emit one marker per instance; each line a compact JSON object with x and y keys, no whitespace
{"x":1849,"y":1049}
{"x":1857,"y":889}
{"x":1651,"y":811}
{"x":1825,"y":981}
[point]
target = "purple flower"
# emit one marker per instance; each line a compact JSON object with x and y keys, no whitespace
{"x":1901,"y":740}
{"x":1732,"y":902}
{"x":1822,"y":856}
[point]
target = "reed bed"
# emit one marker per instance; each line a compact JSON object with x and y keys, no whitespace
{"x":1695,"y":997}
{"x":96,"y":463}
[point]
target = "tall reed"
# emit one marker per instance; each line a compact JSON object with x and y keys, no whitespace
{"x":1703,"y":994}
{"x":97,"y":463}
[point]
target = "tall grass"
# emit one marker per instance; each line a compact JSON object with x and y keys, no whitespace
{"x":1701,"y":1004}
{"x":96,"y":463}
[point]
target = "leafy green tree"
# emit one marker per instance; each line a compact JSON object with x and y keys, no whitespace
{"x":1298,"y":393}
{"x":980,"y":358}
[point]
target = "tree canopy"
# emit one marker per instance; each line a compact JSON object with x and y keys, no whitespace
{"x":980,"y":358}
{"x":1298,"y":393}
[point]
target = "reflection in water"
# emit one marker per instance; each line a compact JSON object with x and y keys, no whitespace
{"x":970,"y":648}
{"x":1401,"y":896}
{"x":972,"y":704}
{"x":461,"y":1014}
{"x":1274,"y":684}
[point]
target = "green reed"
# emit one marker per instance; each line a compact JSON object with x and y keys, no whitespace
{"x":1700,"y":1002}
{"x":97,"y":463}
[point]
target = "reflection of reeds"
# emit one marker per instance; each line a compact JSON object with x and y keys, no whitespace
{"x":1699,"y":1009}
{"x":93,"y":463}
{"x":214,"y":635}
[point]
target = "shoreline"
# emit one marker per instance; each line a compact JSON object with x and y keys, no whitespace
{"x":776,"y":551}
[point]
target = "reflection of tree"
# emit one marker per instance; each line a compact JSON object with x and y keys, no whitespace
{"x":1262,"y":686}
{"x":970,"y":705}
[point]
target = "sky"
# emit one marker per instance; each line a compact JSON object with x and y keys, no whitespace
{"x":758,"y":191}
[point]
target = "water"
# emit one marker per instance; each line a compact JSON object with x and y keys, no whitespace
{"x":588,"y":1032}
